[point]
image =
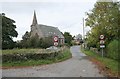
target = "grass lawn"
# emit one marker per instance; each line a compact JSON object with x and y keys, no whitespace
{"x":64,"y":55}
{"x":107,"y":62}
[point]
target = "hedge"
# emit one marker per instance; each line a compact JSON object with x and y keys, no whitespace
{"x":112,"y":50}
{"x":27,"y":56}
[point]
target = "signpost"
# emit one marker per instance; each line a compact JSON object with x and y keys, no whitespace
{"x":102,"y":43}
{"x":55,"y":40}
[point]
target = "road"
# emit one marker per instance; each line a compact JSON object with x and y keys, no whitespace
{"x":77,"y":66}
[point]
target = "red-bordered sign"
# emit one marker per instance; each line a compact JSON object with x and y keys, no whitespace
{"x":55,"y":43}
{"x":102,"y":42}
{"x":56,"y":39}
{"x":102,"y":37}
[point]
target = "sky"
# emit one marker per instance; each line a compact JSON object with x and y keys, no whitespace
{"x":66,"y":15}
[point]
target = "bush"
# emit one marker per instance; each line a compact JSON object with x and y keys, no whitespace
{"x":24,"y":55}
{"x":112,"y":49}
{"x":28,"y":56}
{"x":34,"y":57}
{"x":35,"y":42}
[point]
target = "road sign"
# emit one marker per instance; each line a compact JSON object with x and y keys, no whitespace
{"x":55,"y":43}
{"x":102,"y":42}
{"x":102,"y":37}
{"x":102,"y":46}
{"x":56,"y":38}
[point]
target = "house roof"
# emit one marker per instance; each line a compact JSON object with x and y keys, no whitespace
{"x":50,"y":31}
{"x":79,"y":36}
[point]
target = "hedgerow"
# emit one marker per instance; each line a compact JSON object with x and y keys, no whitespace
{"x":20,"y":56}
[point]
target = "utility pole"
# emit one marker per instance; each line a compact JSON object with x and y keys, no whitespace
{"x":83,"y":35}
{"x":83,"y":28}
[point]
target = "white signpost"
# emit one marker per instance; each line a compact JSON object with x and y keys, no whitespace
{"x":55,"y":40}
{"x":102,"y":46}
{"x":102,"y":43}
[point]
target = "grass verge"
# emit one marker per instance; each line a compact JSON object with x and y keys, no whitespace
{"x":64,"y":55}
{"x":110,"y":66}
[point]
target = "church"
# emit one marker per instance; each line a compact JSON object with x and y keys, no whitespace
{"x":45,"y":31}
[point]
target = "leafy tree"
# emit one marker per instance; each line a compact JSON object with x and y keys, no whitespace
{"x":103,"y":19}
{"x":68,"y":38}
{"x":45,"y":43}
{"x":35,"y":41}
{"x":8,"y":32}
{"x":26,"y":40}
{"x":26,"y":36}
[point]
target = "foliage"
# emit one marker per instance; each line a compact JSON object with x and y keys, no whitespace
{"x":51,"y":57}
{"x":8,"y":32}
{"x":47,"y":42}
{"x":35,"y":41}
{"x":68,"y":38}
{"x":112,"y":50}
{"x":103,"y":19}
{"x":28,"y":56}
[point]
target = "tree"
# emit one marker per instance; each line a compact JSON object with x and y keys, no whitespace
{"x":25,"y":42}
{"x":103,"y":19}
{"x":26,"y":36}
{"x":68,"y":38}
{"x":8,"y":32}
{"x":35,"y":41}
{"x":45,"y":43}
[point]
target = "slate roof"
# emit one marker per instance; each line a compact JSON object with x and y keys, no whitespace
{"x":50,"y":31}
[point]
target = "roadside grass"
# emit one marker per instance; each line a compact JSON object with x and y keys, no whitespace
{"x":64,"y":55}
{"x":109,"y":63}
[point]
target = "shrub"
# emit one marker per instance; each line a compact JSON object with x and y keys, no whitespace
{"x":112,"y":49}
{"x":25,"y":55}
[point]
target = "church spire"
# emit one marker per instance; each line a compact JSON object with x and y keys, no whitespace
{"x":34,"y":19}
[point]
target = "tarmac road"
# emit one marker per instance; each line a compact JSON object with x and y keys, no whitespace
{"x":77,"y":66}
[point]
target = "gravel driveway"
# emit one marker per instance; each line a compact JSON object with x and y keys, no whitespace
{"x":77,"y":66}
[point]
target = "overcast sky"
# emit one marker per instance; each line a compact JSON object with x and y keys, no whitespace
{"x":66,"y":15}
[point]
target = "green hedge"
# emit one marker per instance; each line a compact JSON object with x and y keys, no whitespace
{"x":28,"y":56}
{"x":112,"y":50}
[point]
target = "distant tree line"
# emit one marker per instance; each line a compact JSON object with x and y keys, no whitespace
{"x":36,"y":42}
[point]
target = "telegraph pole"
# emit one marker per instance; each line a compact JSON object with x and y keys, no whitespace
{"x":83,"y":28}
{"x":83,"y":34}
